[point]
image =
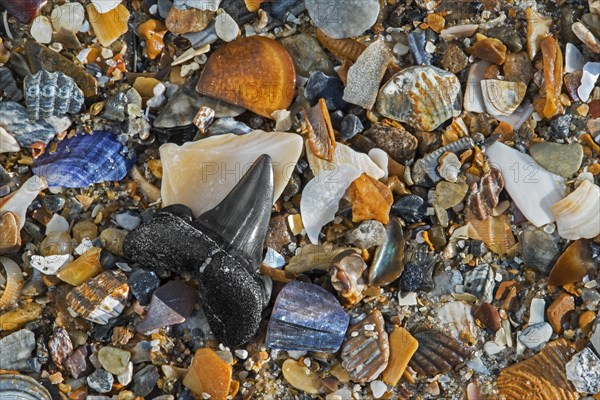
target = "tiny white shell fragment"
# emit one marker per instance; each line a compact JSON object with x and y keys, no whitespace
{"x":591,"y":72}
{"x":69,"y":16}
{"x":518,"y":118}
{"x":456,"y":317}
{"x":321,"y":197}
{"x":586,"y":36}
{"x":22,"y":198}
{"x":577,"y":214}
{"x":104,"y":6}
{"x":50,"y":265}
{"x":57,"y":223}
{"x":537,"y":310}
{"x":283,"y":120}
{"x":533,"y":189}
{"x":380,"y":158}
{"x":458,"y":31}
{"x":41,"y":30}
{"x":574,"y":59}
{"x":473,"y":100}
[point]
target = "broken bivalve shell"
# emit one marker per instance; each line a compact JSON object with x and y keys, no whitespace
{"x":18,"y":202}
{"x":366,"y":352}
{"x":321,"y":138}
{"x":255,"y":72}
{"x":306,"y":317}
{"x":10,"y":232}
{"x":456,"y":318}
{"x":495,"y":233}
{"x":577,"y":214}
{"x":437,"y":353}
{"x":483,"y":197}
{"x":22,"y":387}
{"x":424,"y":97}
{"x":101,"y":298}
{"x":85,"y":159}
{"x":14,"y":283}
{"x":573,"y":265}
{"x":171,"y":304}
{"x":541,"y":376}
{"x":479,"y":281}
{"x":222,"y":248}
{"x":346,"y":276}
{"x":502,"y":97}
{"x":533,"y":189}
{"x":200,"y":174}
{"x":14,"y":119}
{"x":388,"y":260}
{"x":49,"y":94}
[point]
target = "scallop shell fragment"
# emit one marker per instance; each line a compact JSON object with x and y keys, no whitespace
{"x":502,"y":97}
{"x":22,"y":387}
{"x":437,"y":353}
{"x":540,"y":377}
{"x":366,"y":352}
{"x":456,"y":318}
{"x":424,"y":97}
{"x":49,"y":94}
{"x":101,"y":298}
{"x":577,"y":214}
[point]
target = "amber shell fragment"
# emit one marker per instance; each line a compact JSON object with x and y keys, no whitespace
{"x":209,"y":374}
{"x":402,"y":347}
{"x":370,"y":199}
{"x":255,"y":72}
{"x":109,"y":26}
{"x":85,"y":267}
{"x":366,"y":352}
{"x":153,"y":31}
{"x":496,"y":233}
{"x":343,"y":49}
{"x":575,"y":263}
{"x":321,"y":137}
{"x":10,"y":233}
{"x":553,"y":75}
{"x":541,"y":377}
{"x":437,"y":353}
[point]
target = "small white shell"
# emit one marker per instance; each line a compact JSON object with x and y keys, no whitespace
{"x":577,"y":214}
{"x":473,"y":100}
{"x":456,"y":317}
{"x":343,"y":155}
{"x":591,"y":72}
{"x":18,"y":201}
{"x":502,"y":97}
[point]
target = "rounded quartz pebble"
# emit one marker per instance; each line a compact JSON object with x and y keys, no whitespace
{"x":343,"y":18}
{"x":100,"y":381}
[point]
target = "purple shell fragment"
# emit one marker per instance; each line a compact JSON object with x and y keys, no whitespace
{"x":307,"y":317}
{"x":84,"y":160}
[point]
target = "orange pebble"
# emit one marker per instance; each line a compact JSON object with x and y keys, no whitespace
{"x":154,"y":32}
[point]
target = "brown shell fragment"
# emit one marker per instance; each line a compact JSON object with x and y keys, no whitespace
{"x":541,"y":377}
{"x":255,"y":72}
{"x":575,"y":263}
{"x":557,"y":311}
{"x":366,"y":353}
{"x":488,"y":49}
{"x":185,"y":21}
{"x":402,"y":346}
{"x":321,"y":138}
{"x":553,"y":75}
{"x":347,"y":276}
{"x":496,"y":233}
{"x":343,"y":49}
{"x":437,"y":353}
{"x":483,"y":197}
{"x":100,"y":298}
{"x":10,"y":233}
{"x":370,"y":199}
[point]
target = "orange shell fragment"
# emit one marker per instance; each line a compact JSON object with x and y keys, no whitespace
{"x":209,"y":374}
{"x":153,"y":31}
{"x":553,"y":73}
{"x":572,"y":265}
{"x":402,"y":346}
{"x":255,"y":72}
{"x":109,"y":26}
{"x":370,"y":199}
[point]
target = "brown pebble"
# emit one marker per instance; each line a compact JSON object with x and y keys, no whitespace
{"x":488,"y":315}
{"x":455,"y":60}
{"x":394,"y":140}
{"x":572,"y":82}
{"x":436,"y":22}
{"x":185,"y":21}
{"x":558,"y":309}
{"x":518,"y":68}
{"x":594,"y":108}
{"x":10,"y":233}
{"x":489,"y":49}
{"x":278,"y":234}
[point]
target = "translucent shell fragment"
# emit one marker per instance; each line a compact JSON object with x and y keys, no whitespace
{"x":110,"y":25}
{"x":540,"y":377}
{"x":402,"y":347}
{"x":573,"y":265}
{"x":553,"y":73}
{"x":255,"y":72}
{"x":577,"y":214}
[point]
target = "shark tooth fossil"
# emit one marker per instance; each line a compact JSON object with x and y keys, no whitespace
{"x":222,"y":248}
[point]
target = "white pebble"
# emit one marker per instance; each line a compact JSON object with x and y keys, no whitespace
{"x":69,"y":16}
{"x":241,"y":354}
{"x":41,"y":30}
{"x":227,"y":29}
{"x":378,"y":388}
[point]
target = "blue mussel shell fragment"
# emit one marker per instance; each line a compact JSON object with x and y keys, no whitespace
{"x":84,"y":159}
{"x":307,"y":317}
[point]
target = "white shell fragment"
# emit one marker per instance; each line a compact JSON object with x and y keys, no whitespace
{"x":456,"y":317}
{"x":344,"y":155}
{"x":473,"y":100}
{"x":321,"y":198}
{"x":518,"y":118}
{"x":577,"y":214}
{"x":591,"y":72}
{"x":502,"y":97}
{"x":586,"y":36}
{"x":8,"y":144}
{"x":41,"y":30}
{"x":69,"y":16}
{"x":458,"y":31}
{"x":50,"y":265}
{"x":380,"y":158}
{"x":533,"y":189}
{"x":22,"y":198}
{"x":225,"y":26}
{"x":200,"y":174}
{"x":104,"y":6}
{"x":574,"y":59}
